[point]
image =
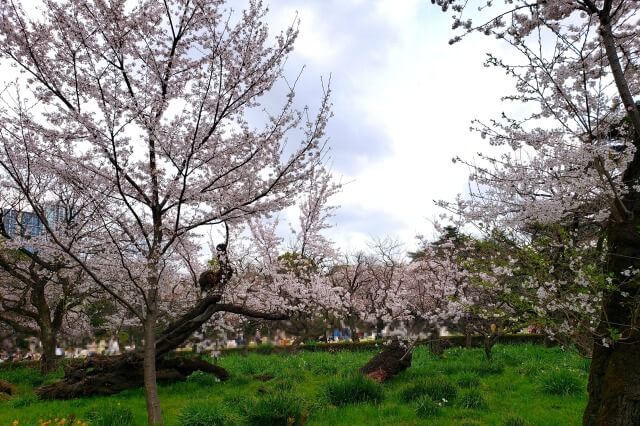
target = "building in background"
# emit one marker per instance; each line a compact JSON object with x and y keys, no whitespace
{"x":28,"y":224}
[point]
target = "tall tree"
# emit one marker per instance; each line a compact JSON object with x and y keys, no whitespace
{"x":579,"y":74}
{"x":141,"y":108}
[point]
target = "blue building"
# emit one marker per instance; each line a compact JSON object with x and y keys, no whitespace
{"x":28,"y":223}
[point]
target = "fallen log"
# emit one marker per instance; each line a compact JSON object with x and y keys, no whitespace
{"x":7,"y":388}
{"x":109,"y":375}
{"x":392,"y":360}
{"x":100,"y":375}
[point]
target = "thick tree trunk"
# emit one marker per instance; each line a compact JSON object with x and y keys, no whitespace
{"x":468,"y":340}
{"x":48,"y":328}
{"x":614,"y":386}
{"x":352,"y":329}
{"x":154,"y":414}
{"x":180,"y":330}
{"x":379,"y":328}
{"x":49,"y":341}
{"x":353,"y":334}
{"x":614,"y":379}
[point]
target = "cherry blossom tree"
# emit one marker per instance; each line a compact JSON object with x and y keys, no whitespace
{"x":436,"y":278}
{"x":41,"y":291}
{"x":512,"y":286}
{"x":289,"y":277}
{"x":383,"y":288}
{"x":558,"y":279}
{"x":575,"y":155}
{"x":376,"y":283}
{"x":351,"y":272}
{"x":141,"y":109}
{"x":40,"y":299}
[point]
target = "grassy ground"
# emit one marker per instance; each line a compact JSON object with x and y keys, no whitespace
{"x":524,"y":385}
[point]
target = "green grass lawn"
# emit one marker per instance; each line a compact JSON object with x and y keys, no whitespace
{"x":524,"y":385}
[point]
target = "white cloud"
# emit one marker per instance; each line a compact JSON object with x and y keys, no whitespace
{"x":423,"y":98}
{"x":399,"y":14}
{"x":315,"y":45}
{"x":404,"y":100}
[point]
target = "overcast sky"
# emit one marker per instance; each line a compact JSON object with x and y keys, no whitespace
{"x":403,"y":102}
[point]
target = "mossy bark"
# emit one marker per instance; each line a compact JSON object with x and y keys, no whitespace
{"x":614,"y":379}
{"x":102,"y":375}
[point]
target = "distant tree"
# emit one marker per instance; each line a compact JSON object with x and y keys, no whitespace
{"x":448,"y":234}
{"x":40,"y":301}
{"x":351,"y":273}
{"x":42,"y":291}
{"x":382,"y":300}
{"x":440,"y":285}
{"x":374,"y":283}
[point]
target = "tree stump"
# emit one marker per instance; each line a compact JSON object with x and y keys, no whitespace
{"x":109,"y":375}
{"x":393,"y":359}
{"x":7,"y":388}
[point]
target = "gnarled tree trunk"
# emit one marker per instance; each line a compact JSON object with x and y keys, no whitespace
{"x":101,"y":375}
{"x":614,"y":379}
{"x":49,"y":343}
{"x":109,"y":375}
{"x":394,"y":359}
{"x":178,"y":331}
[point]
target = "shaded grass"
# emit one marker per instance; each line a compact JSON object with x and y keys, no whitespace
{"x":468,"y":379}
{"x":472,"y":399}
{"x":513,"y":385}
{"x":353,"y":389}
{"x":279,"y":408}
{"x":199,"y":414}
{"x":561,"y":382}
{"x":438,"y":389}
